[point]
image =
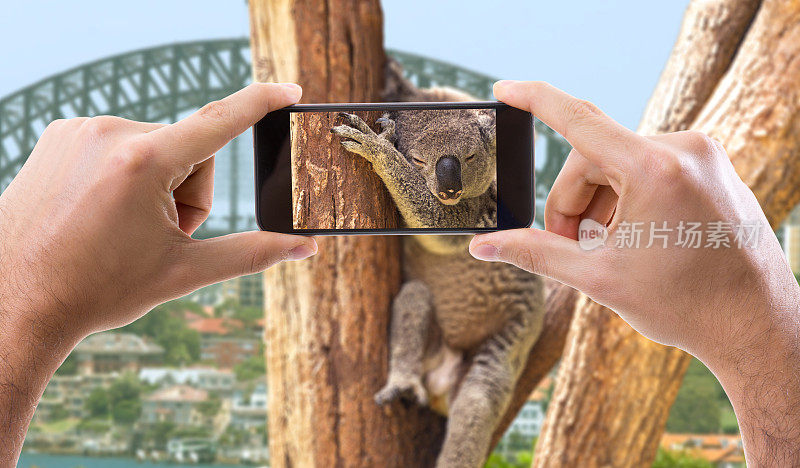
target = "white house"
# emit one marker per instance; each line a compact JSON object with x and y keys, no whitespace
{"x":207,"y":378}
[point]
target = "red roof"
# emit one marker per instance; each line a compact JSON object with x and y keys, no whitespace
{"x":540,"y":392}
{"x":190,"y":316}
{"x":712,"y":447}
{"x":214,"y":325}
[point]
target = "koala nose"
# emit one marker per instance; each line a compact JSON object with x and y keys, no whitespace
{"x":448,"y":177}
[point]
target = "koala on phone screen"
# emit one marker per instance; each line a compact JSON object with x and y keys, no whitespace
{"x":461,"y":330}
{"x":438,"y":165}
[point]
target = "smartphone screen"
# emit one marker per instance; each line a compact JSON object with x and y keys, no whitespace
{"x":437,"y":167}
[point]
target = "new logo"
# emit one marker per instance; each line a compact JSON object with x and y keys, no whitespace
{"x":591,"y":234}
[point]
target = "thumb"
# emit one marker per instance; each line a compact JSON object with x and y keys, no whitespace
{"x":541,"y":252}
{"x":221,"y":258}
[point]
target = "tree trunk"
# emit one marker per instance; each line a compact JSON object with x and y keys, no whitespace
{"x":615,"y":387}
{"x":327,"y":317}
{"x":324,"y":178}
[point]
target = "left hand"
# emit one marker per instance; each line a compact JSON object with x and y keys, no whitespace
{"x":96,"y":228}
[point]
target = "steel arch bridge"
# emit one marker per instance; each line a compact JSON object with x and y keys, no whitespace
{"x":162,"y":84}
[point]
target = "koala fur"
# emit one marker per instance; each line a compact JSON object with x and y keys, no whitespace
{"x":461,"y":329}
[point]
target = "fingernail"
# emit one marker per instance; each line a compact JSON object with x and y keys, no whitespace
{"x":499,"y":88}
{"x":486,"y":252}
{"x":293,"y":91}
{"x":302,"y":251}
{"x":499,"y":85}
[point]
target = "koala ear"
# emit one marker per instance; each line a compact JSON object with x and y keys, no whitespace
{"x":487,"y":122}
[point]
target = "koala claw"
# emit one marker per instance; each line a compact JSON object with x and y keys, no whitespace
{"x":355,"y":121}
{"x":405,"y":388}
{"x":355,"y":148}
{"x":387,"y":128}
{"x":361,"y":140}
{"x":347,"y":131}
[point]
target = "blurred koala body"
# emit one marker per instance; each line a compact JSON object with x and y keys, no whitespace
{"x":461,"y":330}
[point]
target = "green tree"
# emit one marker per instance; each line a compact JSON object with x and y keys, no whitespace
{"x":126,"y":412}
{"x":233,"y":437}
{"x":210,"y":407}
{"x":95,"y":426}
{"x":166,"y":326}
{"x":97,"y":403}
{"x":181,"y":345}
{"x":548,"y":395}
{"x":251,"y":368}
{"x":124,"y":397}
{"x":68,"y":367}
{"x":154,"y":436}
{"x":729,"y":423}
{"x":673,"y":459}
{"x":192,"y":431}
{"x":248,"y":316}
{"x":521,"y":459}
{"x":518,"y":442}
{"x":59,"y":413}
{"x":699,"y":404}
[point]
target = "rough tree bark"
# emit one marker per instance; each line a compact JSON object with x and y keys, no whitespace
{"x":327,"y":318}
{"x":324,"y":179}
{"x":738,"y":80}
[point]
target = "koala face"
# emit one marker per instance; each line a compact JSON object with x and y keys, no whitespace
{"x":455,"y":150}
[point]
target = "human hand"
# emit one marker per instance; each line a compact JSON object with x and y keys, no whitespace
{"x":95,"y":229}
{"x":698,"y":299}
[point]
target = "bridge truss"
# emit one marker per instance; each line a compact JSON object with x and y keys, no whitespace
{"x":165,"y":83}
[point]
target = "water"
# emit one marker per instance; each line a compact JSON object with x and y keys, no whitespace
{"x":30,"y":460}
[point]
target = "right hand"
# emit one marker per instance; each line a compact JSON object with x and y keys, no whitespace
{"x":693,"y":298}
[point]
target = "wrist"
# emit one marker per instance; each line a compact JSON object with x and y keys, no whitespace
{"x":751,"y":318}
{"x":32,"y":347}
{"x":33,"y":332}
{"x":759,"y":369}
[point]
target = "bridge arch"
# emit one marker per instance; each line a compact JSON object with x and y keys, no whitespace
{"x":165,"y":83}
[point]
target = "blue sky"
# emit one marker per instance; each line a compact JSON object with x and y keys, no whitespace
{"x":610,"y":52}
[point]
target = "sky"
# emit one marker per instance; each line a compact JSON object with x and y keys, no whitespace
{"x":610,"y":52}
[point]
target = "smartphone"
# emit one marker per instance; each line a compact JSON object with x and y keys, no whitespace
{"x":445,"y":167}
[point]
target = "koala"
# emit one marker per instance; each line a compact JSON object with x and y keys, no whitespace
{"x":461,"y":330}
{"x":439,"y":166}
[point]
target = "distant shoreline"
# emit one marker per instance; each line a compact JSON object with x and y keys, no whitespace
{"x":47,"y":460}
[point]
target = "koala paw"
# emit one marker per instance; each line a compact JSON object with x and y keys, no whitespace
{"x":360,"y":139}
{"x":407,"y":388}
{"x":387,"y":128}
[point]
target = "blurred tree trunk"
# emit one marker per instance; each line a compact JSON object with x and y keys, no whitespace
{"x":737,"y":79}
{"x":327,"y":317}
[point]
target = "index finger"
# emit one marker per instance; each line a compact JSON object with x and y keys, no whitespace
{"x":592,"y":133}
{"x":197,"y":137}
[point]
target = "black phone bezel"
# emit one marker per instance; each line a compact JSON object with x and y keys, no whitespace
{"x":515,"y":170}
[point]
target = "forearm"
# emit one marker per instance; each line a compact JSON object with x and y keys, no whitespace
{"x":419,"y":208}
{"x":67,"y":269}
{"x":761,"y":375}
{"x":31,"y":349}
